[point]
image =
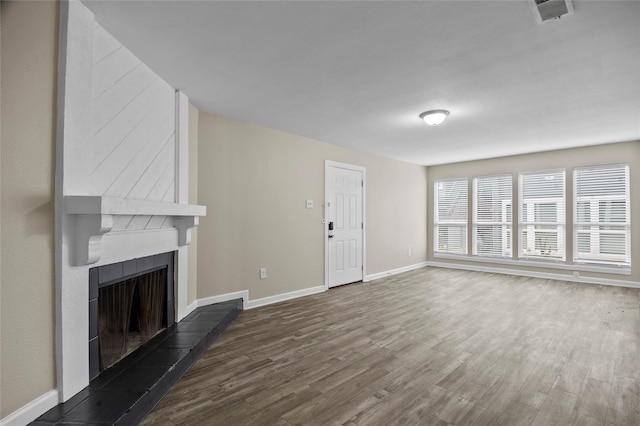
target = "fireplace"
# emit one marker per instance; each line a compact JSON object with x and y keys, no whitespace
{"x":122,"y":190}
{"x":129,"y":303}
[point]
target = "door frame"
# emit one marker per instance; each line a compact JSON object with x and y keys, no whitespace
{"x":363,"y":170}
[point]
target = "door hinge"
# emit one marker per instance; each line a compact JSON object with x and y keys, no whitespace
{"x":362,"y":225}
{"x":362,"y":183}
{"x":362,"y":268}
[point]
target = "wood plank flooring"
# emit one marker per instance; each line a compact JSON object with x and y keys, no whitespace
{"x":431,"y":347}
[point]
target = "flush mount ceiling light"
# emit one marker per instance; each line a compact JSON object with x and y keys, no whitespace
{"x":434,"y":117}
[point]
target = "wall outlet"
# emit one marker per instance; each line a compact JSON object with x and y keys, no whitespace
{"x":263,"y":273}
{"x":309,"y":204}
{"x":576,"y":274}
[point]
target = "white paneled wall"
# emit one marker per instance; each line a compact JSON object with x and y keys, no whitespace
{"x":131,"y":150}
{"x":121,"y":168}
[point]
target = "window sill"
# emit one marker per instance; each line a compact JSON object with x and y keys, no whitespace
{"x":551,"y":264}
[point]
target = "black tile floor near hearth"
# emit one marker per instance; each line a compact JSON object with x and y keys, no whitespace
{"x":128,"y":391}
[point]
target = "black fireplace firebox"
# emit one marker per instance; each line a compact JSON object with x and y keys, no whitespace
{"x":129,"y":303}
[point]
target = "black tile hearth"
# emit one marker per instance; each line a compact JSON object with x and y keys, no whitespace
{"x":128,"y":391}
{"x":138,"y":378}
{"x":183,"y":340}
{"x":164,"y":356}
{"x":103,"y":406}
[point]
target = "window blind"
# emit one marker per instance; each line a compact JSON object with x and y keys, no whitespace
{"x":601,"y":229}
{"x":492,"y":206}
{"x":450,"y":218}
{"x":541,"y":214}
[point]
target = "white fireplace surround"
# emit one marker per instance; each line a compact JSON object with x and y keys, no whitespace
{"x":121,"y":177}
{"x":95,"y":218}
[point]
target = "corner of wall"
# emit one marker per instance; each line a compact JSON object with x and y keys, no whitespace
{"x":192,"y":286}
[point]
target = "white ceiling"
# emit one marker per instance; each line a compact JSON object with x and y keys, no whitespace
{"x":357,"y":74}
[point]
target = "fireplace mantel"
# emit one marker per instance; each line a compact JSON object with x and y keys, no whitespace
{"x":94,"y":219}
{"x":121,"y":142}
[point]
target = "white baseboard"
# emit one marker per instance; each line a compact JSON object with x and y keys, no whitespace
{"x":395,"y":271}
{"x":191,"y":307}
{"x":284,"y":296}
{"x":244,"y":295}
{"x":249,"y":304}
{"x":32,"y":410}
{"x":536,"y":274}
{"x":606,"y":281}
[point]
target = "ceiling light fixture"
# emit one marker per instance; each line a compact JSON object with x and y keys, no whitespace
{"x":434,"y":117}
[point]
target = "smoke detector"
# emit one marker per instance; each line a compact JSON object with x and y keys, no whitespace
{"x":546,"y":10}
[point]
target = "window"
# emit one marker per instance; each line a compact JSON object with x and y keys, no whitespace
{"x":492,"y":215}
{"x":450,"y":219}
{"x":601,"y":230}
{"x":542,"y":215}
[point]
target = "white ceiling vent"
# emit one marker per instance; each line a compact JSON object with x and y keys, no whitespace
{"x":545,"y":10}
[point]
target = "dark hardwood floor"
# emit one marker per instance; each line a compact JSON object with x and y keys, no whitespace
{"x":431,"y":347}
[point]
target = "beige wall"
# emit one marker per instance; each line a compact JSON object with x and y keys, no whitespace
{"x":567,"y":159}
{"x":27,"y":214}
{"x":192,"y":278}
{"x":254,"y":182}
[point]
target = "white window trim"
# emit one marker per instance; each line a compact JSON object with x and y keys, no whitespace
{"x":612,"y":260}
{"x":560,"y":224}
{"x":507,"y":227}
{"x":453,"y":223}
{"x":563,"y":204}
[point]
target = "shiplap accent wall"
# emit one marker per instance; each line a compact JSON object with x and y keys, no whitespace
{"x":118,"y":138}
{"x":131,"y":149}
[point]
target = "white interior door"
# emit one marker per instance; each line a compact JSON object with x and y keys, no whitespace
{"x":344,"y":221}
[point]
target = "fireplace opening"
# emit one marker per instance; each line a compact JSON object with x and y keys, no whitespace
{"x":130,"y":313}
{"x":129,"y":303}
